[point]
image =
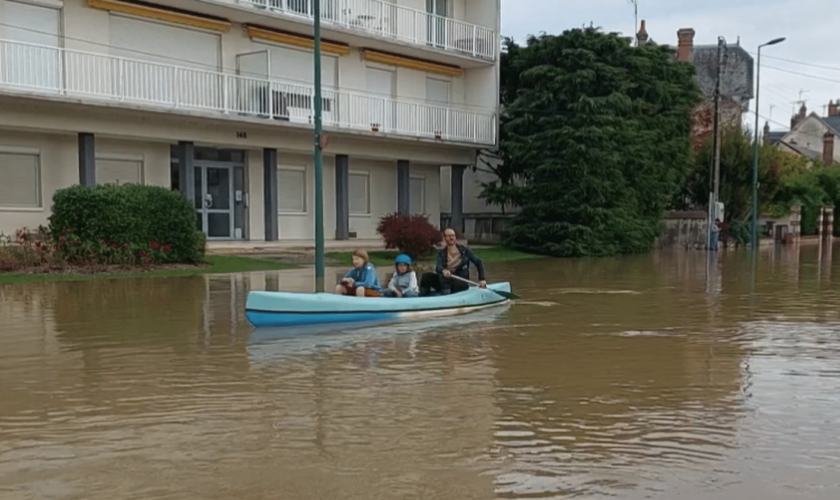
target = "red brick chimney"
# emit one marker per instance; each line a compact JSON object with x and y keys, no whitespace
{"x":686,"y":44}
{"x":832,"y":108}
{"x":828,"y":148}
{"x":642,"y":35}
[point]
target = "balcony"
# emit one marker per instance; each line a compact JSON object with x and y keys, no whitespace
{"x":117,"y":80}
{"x":385,"y":21}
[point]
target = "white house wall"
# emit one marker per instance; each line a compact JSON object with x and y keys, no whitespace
{"x":809,"y":135}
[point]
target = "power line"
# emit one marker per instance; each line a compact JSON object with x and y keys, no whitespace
{"x":830,"y":68}
{"x":802,"y":74}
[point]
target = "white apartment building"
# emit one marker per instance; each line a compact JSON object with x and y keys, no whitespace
{"x":214,"y":98}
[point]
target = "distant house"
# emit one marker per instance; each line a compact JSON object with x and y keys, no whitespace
{"x":811,"y":135}
{"x":736,"y":80}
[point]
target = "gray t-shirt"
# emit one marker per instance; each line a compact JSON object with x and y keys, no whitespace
{"x":404,"y":282}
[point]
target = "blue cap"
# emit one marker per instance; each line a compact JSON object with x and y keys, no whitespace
{"x":402,"y":259}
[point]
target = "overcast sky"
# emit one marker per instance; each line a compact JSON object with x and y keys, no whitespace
{"x":812,"y":28}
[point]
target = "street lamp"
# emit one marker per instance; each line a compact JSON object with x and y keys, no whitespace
{"x":755,"y":147}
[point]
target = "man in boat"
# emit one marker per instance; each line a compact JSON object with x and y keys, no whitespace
{"x":453,"y":259}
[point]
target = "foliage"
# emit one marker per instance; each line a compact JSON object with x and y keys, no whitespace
{"x":736,"y":175}
{"x":25,"y":250}
{"x":413,"y":235}
{"x":125,"y":224}
{"x":595,"y":142}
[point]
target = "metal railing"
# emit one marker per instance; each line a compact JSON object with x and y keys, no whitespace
{"x":114,"y":79}
{"x":389,"y":20}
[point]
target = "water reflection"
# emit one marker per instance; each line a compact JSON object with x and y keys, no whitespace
{"x":671,"y":375}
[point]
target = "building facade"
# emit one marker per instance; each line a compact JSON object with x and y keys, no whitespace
{"x":811,"y":135}
{"x":215,"y":98}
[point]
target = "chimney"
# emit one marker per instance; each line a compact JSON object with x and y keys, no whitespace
{"x":686,"y":44}
{"x":766,"y":133}
{"x":832,"y":108}
{"x":642,"y":36}
{"x":798,"y":117}
{"x":828,"y":148}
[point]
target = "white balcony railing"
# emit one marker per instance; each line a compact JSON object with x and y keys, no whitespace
{"x":117,"y":80}
{"x":389,"y":20}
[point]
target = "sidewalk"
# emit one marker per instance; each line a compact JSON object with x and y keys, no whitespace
{"x":287,"y":247}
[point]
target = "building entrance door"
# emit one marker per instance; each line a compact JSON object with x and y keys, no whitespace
{"x":219,"y":200}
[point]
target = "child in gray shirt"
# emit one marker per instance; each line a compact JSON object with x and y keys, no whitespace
{"x":404,"y":281}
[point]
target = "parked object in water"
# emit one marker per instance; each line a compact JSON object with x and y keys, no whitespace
{"x":267,"y":309}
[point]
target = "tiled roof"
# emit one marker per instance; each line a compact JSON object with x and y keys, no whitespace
{"x":834,"y":123}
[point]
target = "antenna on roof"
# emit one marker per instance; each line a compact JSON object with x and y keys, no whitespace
{"x":771,"y":112}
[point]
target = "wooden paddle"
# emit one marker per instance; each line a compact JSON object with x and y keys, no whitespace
{"x":507,"y":295}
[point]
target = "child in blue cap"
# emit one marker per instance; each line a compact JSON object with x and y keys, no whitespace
{"x":404,"y":281}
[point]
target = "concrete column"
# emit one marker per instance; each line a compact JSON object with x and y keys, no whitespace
{"x":270,"y":191}
{"x":186,"y":170}
{"x":342,"y":197}
{"x":403,"y":192}
{"x":457,"y":209}
{"x":87,"y":160}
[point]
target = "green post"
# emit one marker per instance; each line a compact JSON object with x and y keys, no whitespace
{"x":754,"y":240}
{"x":754,"y":225}
{"x":319,"y":167}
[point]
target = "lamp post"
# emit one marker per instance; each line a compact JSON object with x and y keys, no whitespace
{"x":755,"y":146}
{"x":319,"y":168}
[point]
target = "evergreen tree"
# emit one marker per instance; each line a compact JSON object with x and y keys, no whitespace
{"x":599,"y":133}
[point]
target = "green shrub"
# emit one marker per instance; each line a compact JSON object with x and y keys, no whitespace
{"x":120,"y":224}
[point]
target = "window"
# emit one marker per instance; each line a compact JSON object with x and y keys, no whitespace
{"x":20,"y":170}
{"x":359,"y":193}
{"x":154,"y":42}
{"x":36,"y":65}
{"x":119,"y":170}
{"x":417,"y":195}
{"x":291,"y":189}
{"x":437,"y":91}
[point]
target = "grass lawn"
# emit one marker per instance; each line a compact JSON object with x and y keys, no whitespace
{"x":218,"y":264}
{"x":386,"y":257}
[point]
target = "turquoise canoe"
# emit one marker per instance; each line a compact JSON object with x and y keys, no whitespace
{"x":273,"y":309}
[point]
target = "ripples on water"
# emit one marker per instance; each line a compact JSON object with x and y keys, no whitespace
{"x":655,"y":376}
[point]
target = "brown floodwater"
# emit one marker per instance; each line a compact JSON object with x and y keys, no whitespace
{"x":662,"y":376}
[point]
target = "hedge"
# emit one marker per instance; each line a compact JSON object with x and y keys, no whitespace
{"x":149,"y":222}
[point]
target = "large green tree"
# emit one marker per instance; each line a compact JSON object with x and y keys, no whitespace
{"x":596,"y":133}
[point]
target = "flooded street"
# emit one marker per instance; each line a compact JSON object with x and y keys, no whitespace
{"x":655,"y":376}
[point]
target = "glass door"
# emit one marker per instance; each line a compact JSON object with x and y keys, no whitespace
{"x":437,"y":22}
{"x":213,"y":200}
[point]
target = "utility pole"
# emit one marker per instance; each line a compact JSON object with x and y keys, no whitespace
{"x":715,"y":191}
{"x":319,"y":160}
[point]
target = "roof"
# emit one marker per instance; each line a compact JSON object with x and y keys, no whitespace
{"x":775,"y":137}
{"x":736,"y":71}
{"x":810,"y":153}
{"x":833,"y":123}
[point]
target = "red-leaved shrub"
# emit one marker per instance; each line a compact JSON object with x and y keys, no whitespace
{"x":411,"y":234}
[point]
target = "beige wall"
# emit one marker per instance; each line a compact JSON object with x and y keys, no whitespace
{"x":88,"y":29}
{"x":59,"y":168}
{"x":472,"y":188}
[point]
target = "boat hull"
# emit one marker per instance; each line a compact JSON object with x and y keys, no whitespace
{"x":275,"y":309}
